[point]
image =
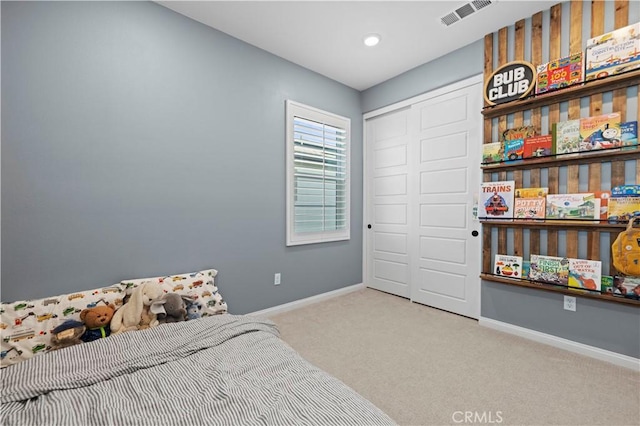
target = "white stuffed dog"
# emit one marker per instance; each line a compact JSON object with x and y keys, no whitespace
{"x":136,"y":311}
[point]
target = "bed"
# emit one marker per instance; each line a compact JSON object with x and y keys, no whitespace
{"x":217,"y":369}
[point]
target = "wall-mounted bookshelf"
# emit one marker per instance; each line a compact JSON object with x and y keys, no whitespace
{"x":578,"y":91}
{"x":563,"y":160}
{"x":558,"y":289}
{"x":601,"y":171}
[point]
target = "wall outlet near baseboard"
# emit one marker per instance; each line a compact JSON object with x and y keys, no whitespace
{"x":276,"y":279}
{"x":570,"y":303}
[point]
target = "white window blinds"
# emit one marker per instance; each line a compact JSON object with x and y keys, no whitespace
{"x":318,"y":179}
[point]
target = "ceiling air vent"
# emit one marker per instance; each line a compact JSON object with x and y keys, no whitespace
{"x":450,"y":19}
{"x":479,"y":4}
{"x":464,"y":11}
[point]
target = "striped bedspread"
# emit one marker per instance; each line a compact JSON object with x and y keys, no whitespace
{"x":227,"y":370}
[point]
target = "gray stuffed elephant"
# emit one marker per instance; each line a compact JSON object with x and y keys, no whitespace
{"x":174,"y":308}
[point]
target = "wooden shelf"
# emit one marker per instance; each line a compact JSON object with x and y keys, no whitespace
{"x":585,"y":89}
{"x":564,"y":160}
{"x":551,"y":223}
{"x":558,"y":289}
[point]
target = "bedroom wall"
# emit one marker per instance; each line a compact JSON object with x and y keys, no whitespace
{"x":455,"y":66}
{"x":610,"y":326}
{"x":137,"y":142}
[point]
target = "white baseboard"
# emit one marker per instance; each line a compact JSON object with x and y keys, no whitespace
{"x":269,"y":312}
{"x":569,"y":345}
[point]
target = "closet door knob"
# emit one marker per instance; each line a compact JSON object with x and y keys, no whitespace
{"x":474,"y":233}
{"x":369,"y":226}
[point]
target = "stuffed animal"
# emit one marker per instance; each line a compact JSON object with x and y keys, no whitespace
{"x":97,"y":321}
{"x":67,"y":334}
{"x":149,"y":316}
{"x":193,"y":310}
{"x":131,"y":316}
{"x":174,"y":308}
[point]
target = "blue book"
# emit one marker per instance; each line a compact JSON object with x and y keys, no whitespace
{"x":629,"y":135}
{"x":625,"y":191}
{"x":513,"y":149}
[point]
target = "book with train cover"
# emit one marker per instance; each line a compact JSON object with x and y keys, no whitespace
{"x":496,"y":200}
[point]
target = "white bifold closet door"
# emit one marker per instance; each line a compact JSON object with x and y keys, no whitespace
{"x":388,"y":193}
{"x":422,"y":172}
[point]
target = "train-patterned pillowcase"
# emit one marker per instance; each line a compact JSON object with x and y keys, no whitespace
{"x":199,"y":286}
{"x":27,"y":325}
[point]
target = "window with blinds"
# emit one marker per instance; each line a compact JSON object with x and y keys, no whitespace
{"x":318,"y":175}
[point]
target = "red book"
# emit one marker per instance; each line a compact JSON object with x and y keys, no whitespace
{"x":538,"y":146}
{"x":604,"y":203}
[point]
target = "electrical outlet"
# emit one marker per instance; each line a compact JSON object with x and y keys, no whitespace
{"x":276,"y":279}
{"x":570,"y":303}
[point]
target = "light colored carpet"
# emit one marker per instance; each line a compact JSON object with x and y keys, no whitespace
{"x":423,"y":366}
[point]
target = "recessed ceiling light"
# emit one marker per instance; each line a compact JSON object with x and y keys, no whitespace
{"x":371,"y":40}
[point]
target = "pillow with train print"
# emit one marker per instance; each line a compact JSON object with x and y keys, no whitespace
{"x":197,"y":286}
{"x":27,"y":325}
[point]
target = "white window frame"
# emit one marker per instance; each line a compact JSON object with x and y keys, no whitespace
{"x":295,"y":109}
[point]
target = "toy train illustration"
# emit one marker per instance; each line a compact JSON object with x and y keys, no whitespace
{"x":496,"y":205}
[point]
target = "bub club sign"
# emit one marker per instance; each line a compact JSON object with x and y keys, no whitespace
{"x":511,"y":81}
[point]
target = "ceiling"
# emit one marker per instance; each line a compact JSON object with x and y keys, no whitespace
{"x":327,"y":36}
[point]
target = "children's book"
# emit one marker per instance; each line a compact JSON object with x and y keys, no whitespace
{"x":529,"y":208}
{"x":625,"y":191}
{"x":521,"y":132}
{"x":530,"y":203}
{"x":585,"y":274}
{"x":626,"y":286}
{"x":560,"y":73}
{"x":606,"y":284}
{"x":538,"y":146}
{"x":573,"y":206}
{"x":496,"y":200}
{"x":532,"y":192}
{"x":603,"y":196}
{"x":629,"y":135}
{"x":621,"y":209}
{"x":513,"y":149}
{"x":549,"y":269}
{"x":508,"y":266}
{"x":566,"y":136}
{"x":492,"y":152}
{"x":600,"y":132}
{"x":613,"y":53}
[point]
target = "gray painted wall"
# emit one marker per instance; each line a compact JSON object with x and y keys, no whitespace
{"x":601,"y":324}
{"x":606,"y":325}
{"x":137,"y":142}
{"x":455,"y":66}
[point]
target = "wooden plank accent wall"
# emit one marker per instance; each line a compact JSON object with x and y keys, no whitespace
{"x":488,"y":137}
{"x":502,"y":126}
{"x":554,"y":116}
{"x":518,"y":121}
{"x":595,"y":108}
{"x":520,"y":240}
{"x":573,"y":176}
{"x":536,"y":120}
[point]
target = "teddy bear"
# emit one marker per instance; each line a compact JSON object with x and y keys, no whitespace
{"x":97,"y":321}
{"x":68,"y":333}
